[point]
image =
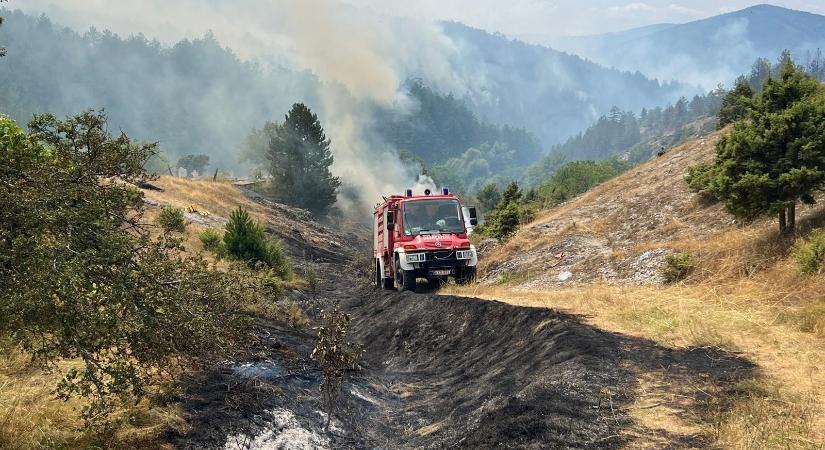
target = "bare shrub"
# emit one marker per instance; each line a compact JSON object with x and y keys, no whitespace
{"x":335,"y":355}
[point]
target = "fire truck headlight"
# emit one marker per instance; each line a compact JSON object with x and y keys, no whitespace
{"x":416,"y":257}
{"x":464,"y":254}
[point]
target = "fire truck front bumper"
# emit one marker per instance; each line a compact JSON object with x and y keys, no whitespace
{"x":438,"y":263}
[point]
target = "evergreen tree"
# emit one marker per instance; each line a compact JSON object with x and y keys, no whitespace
{"x":488,"y":197}
{"x":760,"y":72}
{"x":777,"y":158}
{"x":816,"y":65}
{"x":735,"y":104}
{"x":511,"y":194}
{"x":300,"y":159}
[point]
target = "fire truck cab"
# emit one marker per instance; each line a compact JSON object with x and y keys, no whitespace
{"x":422,"y":236}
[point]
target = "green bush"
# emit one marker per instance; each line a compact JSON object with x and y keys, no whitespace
{"x":276,"y":258}
{"x":809,"y":252}
{"x":526,"y":213}
{"x":678,"y":266}
{"x":171,"y":219}
{"x":245,"y":240}
{"x":211,"y":239}
{"x":504,"y":222}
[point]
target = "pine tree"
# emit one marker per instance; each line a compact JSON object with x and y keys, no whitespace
{"x":511,"y":194}
{"x":770,"y":162}
{"x":735,"y":103}
{"x":300,"y":160}
{"x":489,"y":196}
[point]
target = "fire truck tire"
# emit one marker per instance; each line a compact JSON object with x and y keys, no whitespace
{"x":404,"y":280}
{"x":466,"y":276}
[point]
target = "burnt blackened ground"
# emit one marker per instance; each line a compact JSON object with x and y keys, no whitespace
{"x":449,"y":372}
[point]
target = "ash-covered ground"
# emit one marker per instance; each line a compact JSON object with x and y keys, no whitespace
{"x":443,"y":372}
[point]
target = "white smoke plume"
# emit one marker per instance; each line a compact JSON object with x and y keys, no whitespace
{"x":359,"y":57}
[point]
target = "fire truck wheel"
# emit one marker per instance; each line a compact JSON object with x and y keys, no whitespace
{"x":404,"y":280}
{"x":467,"y":276}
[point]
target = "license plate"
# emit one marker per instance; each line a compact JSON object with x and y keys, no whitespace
{"x":439,"y":273}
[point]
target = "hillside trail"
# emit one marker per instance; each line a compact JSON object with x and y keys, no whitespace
{"x":450,"y":372}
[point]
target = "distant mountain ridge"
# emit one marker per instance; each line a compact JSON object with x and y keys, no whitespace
{"x":706,"y":51}
{"x":550,"y":93}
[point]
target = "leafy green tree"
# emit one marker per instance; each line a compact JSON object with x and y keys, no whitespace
{"x":300,"y":160}
{"x":194,"y":163}
{"x":736,"y":103}
{"x":81,"y":277}
{"x":776,"y":158}
{"x":476,"y":166}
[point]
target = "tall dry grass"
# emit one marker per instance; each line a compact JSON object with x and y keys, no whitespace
{"x":31,"y":417}
{"x":770,"y":314}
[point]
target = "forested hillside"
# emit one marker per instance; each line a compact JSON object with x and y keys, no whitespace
{"x":550,"y":93}
{"x":198,"y":97}
{"x":193,"y":97}
{"x":442,"y":126}
{"x":638,"y":137}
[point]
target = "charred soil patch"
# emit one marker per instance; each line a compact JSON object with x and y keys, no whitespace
{"x":453,"y":372}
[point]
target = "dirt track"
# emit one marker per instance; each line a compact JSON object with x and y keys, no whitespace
{"x":445,"y":372}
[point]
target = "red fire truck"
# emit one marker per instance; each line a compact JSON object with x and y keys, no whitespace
{"x":422,"y":236}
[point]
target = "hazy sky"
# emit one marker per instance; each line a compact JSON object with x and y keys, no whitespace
{"x":570,"y":17}
{"x":537,"y":19}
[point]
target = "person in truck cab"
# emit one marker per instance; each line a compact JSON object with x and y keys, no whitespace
{"x":447,"y":217}
{"x":417,"y":218}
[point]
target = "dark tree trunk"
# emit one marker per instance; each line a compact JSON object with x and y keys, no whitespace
{"x":783,"y":225}
{"x":792,"y":217}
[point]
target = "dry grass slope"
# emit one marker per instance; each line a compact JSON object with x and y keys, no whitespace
{"x":745,"y":297}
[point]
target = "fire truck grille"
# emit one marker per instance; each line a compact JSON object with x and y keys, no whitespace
{"x":442,"y":255}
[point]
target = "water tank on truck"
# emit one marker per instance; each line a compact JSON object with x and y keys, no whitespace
{"x":422,"y":236}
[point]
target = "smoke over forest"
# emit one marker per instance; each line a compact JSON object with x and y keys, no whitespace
{"x":395,"y":95}
{"x":202,"y":78}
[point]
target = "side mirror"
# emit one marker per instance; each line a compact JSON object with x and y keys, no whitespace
{"x":473,"y":215}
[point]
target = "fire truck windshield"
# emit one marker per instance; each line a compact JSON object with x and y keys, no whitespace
{"x":432,"y":216}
